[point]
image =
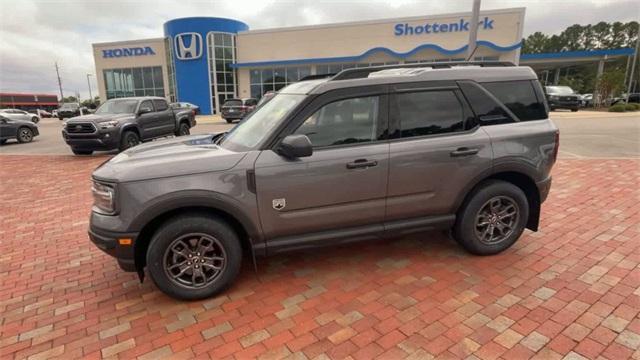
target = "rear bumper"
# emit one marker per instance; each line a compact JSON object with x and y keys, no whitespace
{"x":544,"y":187}
{"x":108,"y":241}
{"x":234,"y":116}
{"x":559,"y":104}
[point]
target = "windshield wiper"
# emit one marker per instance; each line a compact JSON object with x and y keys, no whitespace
{"x":218,"y":138}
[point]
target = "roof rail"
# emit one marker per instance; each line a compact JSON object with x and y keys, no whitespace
{"x":363,"y":72}
{"x":316,"y":77}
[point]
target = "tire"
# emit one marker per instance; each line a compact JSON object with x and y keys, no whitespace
{"x":470,"y":227}
{"x":574,"y":110}
{"x":3,"y":141}
{"x":35,"y":119}
{"x":24,"y":135}
{"x":183,"y":129}
{"x":128,"y":140}
{"x":60,"y":118}
{"x":229,"y":121}
{"x":186,"y":234}
{"x":81,"y":152}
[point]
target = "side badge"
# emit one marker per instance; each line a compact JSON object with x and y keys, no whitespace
{"x":278,"y":204}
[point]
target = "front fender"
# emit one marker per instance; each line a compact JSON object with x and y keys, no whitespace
{"x":196,"y":198}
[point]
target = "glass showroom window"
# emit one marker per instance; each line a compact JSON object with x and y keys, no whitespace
{"x":171,"y":71}
{"x":142,"y":81}
{"x":274,"y":79}
{"x":222,"y":53}
{"x":336,"y":68}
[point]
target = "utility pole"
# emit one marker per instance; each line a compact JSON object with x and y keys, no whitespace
{"x":473,"y":29}
{"x":59,"y":83}
{"x":89,"y":84}
{"x":633,"y":67}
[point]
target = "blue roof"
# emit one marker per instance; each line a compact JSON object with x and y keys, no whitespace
{"x":577,"y":54}
{"x":401,"y":55}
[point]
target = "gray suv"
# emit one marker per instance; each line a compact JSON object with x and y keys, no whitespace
{"x":368,"y":153}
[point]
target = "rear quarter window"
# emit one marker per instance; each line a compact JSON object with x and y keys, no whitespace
{"x":519,"y":97}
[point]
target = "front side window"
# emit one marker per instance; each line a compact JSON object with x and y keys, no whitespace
{"x":343,"y":122}
{"x":146,"y":105}
{"x":519,"y":97}
{"x":428,"y":113}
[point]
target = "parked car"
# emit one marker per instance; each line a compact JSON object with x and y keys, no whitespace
{"x":17,"y":114}
{"x":69,"y":110}
{"x":43,"y":113}
{"x":186,"y":105}
{"x":237,"y":109}
{"x":21,"y":130}
{"x":324,"y":163}
{"x":633,"y":98}
{"x":586,"y":100}
{"x":125,"y":122}
{"x":562,"y":97}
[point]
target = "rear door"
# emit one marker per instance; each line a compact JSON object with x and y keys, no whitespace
{"x":147,"y":121}
{"x":342,"y":185}
{"x":436,"y":151}
{"x":165,"y":118}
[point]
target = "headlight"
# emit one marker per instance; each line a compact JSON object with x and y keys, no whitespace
{"x":108,"y":124}
{"x":554,"y":97}
{"x":103,"y":198}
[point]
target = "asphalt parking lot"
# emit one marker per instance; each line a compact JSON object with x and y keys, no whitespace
{"x":585,"y":134}
{"x":570,"y":290}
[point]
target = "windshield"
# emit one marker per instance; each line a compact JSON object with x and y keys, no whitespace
{"x":254,"y":129}
{"x":69,"y":106}
{"x":118,"y":107}
{"x":562,"y":90}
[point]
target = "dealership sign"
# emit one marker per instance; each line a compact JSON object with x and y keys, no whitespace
{"x":132,"y":51}
{"x":188,"y":46}
{"x":434,"y":28}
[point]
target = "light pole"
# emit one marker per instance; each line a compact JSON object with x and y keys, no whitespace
{"x":89,"y":84}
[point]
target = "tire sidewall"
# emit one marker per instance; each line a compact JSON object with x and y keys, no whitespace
{"x":464,"y":230}
{"x":124,"y":143}
{"x":183,"y":130}
{"x":182,"y":225}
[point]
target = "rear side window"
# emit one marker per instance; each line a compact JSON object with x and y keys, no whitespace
{"x":519,"y":97}
{"x":487,"y":110}
{"x":160,"y":105}
{"x":428,"y":113}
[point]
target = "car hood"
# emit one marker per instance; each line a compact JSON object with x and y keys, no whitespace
{"x":99,"y":118}
{"x":183,"y":155}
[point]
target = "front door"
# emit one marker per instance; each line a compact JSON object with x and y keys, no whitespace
{"x":342,"y":185}
{"x":148,"y":121}
{"x":436,"y":152}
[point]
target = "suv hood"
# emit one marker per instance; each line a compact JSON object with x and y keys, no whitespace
{"x":98,"y":118}
{"x":184,"y":155}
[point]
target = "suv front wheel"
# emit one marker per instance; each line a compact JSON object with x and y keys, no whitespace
{"x":492,"y":218}
{"x":194,"y":256}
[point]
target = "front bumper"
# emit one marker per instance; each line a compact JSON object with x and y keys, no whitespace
{"x":233,"y":115}
{"x":561,"y":104}
{"x":103,"y":139}
{"x":109,"y":242}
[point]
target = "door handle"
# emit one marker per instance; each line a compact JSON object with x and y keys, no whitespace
{"x":361,"y":163}
{"x":464,"y":151}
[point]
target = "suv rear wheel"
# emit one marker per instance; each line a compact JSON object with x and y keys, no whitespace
{"x":183,"y":129}
{"x":492,"y":218}
{"x":194,"y":256}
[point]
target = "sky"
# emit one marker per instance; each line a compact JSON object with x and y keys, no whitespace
{"x":34,"y":34}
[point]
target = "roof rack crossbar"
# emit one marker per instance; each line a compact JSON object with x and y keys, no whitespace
{"x":363,"y":72}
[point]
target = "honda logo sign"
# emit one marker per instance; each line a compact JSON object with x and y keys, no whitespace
{"x":188,"y":46}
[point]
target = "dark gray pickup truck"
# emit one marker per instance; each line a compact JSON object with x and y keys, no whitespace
{"x":124,"y":123}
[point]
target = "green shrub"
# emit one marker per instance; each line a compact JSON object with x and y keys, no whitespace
{"x":630,"y":107}
{"x":637,"y":105}
{"x":617,"y":108}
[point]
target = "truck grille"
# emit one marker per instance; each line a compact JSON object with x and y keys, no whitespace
{"x":80,"y":128}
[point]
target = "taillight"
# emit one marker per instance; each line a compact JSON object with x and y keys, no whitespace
{"x":193,"y":112}
{"x":557,"y":146}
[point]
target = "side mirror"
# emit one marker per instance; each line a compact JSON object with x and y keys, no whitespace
{"x":144,"y":110}
{"x":295,"y":146}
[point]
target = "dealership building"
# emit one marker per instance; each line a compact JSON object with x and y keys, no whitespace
{"x":205,"y":60}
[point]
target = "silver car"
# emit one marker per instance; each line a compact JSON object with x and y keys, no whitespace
{"x":17,"y":114}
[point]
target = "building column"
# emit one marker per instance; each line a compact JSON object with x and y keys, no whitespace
{"x":596,"y":97}
{"x":556,"y":76}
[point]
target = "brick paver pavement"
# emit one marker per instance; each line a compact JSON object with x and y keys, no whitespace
{"x":572,"y":289}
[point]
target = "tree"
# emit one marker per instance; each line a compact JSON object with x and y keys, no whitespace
{"x":610,"y":83}
{"x":535,"y":43}
{"x":69,"y":99}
